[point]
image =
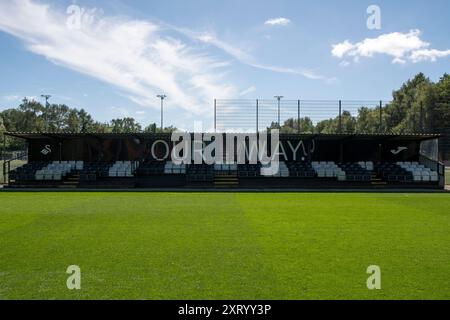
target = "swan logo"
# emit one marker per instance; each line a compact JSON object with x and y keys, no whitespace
{"x":399,"y":149}
{"x":47,"y":150}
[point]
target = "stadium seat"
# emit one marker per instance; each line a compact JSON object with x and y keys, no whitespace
{"x":171,"y":168}
{"x":418,"y":171}
{"x":358,"y":171}
{"x":200,"y":173}
{"x":123,"y":169}
{"x":327,"y":169}
{"x":55,"y":170}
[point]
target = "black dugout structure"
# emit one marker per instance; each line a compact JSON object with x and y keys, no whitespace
{"x":295,"y":149}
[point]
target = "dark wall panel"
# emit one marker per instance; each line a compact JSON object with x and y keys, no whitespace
{"x":351,"y":149}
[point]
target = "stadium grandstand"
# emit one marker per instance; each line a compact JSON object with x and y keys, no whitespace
{"x":306,"y":161}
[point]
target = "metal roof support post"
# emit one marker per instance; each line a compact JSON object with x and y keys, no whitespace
{"x":381,"y":117}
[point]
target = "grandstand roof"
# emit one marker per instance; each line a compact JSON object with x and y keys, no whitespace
{"x":72,"y":135}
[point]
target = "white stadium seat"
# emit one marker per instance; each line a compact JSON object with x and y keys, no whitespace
{"x":327,"y":169}
{"x":419,"y":171}
{"x":123,"y":169}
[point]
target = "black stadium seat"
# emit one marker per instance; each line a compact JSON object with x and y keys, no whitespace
{"x":249,"y":170}
{"x":301,"y":169}
{"x":393,"y":172}
{"x":355,"y":172}
{"x":93,"y":170}
{"x":150,"y":168}
{"x":200,"y":173}
{"x":27,"y":172}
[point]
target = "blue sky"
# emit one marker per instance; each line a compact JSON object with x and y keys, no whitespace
{"x":120,"y":54}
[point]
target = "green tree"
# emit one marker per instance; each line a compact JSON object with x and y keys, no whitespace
{"x":291,"y":126}
{"x":368,"y":120}
{"x":125,"y":125}
{"x":151,"y":128}
{"x":86,"y":122}
{"x":441,"y":112}
{"x":2,"y":127}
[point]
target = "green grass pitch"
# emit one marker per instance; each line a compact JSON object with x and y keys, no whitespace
{"x":224,"y":245}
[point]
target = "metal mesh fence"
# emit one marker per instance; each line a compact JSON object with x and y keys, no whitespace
{"x":299,"y":115}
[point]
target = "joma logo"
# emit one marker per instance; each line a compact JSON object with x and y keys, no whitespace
{"x":399,"y":149}
{"x":46,"y":150}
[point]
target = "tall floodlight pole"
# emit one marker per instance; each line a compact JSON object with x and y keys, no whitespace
{"x":46,"y":97}
{"x":162,"y":97}
{"x":279,"y":101}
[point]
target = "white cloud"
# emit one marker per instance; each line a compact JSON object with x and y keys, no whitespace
{"x":119,"y":111}
{"x":277,"y":22}
{"x":133,"y":55}
{"x":402,"y":47}
{"x":11,"y":98}
{"x":141,"y":58}
{"x":248,"y":91}
{"x":341,"y":49}
{"x":246,"y":58}
{"x":428,"y":55}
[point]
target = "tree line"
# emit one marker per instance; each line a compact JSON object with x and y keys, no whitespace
{"x":32,"y":116}
{"x":420,"y":105}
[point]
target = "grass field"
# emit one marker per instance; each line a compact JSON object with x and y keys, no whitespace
{"x":224,"y":245}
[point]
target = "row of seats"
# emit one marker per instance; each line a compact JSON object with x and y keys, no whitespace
{"x":393,"y":172}
{"x":200,"y":173}
{"x":368,"y":165}
{"x":93,"y":170}
{"x":150,"y":168}
{"x":226,"y":167}
{"x":356,"y":171}
{"x":27,"y":172}
{"x":249,"y":170}
{"x":328,"y":169}
{"x":419,"y":171}
{"x":172,"y":168}
{"x":301,"y":169}
{"x":282,"y":172}
{"x":57,"y":170}
{"x":123,"y":169}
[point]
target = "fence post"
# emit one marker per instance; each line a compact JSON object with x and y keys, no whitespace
{"x":298,"y":117}
{"x":421,"y":117}
{"x":4,"y":158}
{"x":340,"y":116}
{"x":279,"y":113}
{"x":381,"y":117}
{"x":215,"y":115}
{"x":257,"y":115}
